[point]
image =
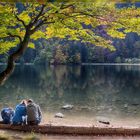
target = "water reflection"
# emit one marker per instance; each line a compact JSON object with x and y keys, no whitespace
{"x":110,"y":91}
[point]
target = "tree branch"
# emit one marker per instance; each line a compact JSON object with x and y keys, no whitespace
{"x":67,"y":6}
{"x":13,"y":57}
{"x":20,"y":21}
{"x":40,"y":24}
{"x":10,"y":35}
{"x":35,"y":20}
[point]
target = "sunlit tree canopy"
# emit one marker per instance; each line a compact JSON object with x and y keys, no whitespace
{"x":65,"y":19}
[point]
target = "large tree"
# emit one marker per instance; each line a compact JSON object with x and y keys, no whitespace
{"x":74,"y":20}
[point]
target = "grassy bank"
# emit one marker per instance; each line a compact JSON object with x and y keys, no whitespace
{"x":30,"y":136}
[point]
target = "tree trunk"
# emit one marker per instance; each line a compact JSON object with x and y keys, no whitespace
{"x":13,"y":57}
{"x":74,"y":130}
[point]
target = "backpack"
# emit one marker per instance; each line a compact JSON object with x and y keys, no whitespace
{"x":7,"y":114}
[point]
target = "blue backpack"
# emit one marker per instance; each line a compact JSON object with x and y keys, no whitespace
{"x":7,"y":115}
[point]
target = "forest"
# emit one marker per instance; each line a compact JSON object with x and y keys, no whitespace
{"x":63,"y":51}
{"x":56,"y":51}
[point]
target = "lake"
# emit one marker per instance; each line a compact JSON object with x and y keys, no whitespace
{"x":97,"y":92}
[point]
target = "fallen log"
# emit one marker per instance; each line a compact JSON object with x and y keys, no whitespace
{"x":73,"y":130}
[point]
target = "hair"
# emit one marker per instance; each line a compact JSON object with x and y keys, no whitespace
{"x":10,"y":108}
{"x":23,"y":102}
{"x":29,"y":101}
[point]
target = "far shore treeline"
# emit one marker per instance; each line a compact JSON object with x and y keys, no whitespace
{"x":56,"y":51}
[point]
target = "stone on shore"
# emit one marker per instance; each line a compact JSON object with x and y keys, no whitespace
{"x":125,"y":105}
{"x":103,"y":120}
{"x":67,"y":107}
{"x":59,"y":115}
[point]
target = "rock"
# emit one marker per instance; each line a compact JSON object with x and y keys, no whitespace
{"x":17,"y":137}
{"x":86,"y":108}
{"x":110,"y":109}
{"x":135,"y":104}
{"x":59,"y":115}
{"x":125,"y":105}
{"x":67,"y":107}
{"x":135,"y":112}
{"x":104,"y":122}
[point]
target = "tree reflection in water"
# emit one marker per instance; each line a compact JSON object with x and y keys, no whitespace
{"x":110,"y":91}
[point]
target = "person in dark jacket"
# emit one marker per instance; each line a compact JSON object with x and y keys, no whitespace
{"x":20,"y":114}
{"x":7,"y":115}
{"x":34,"y":114}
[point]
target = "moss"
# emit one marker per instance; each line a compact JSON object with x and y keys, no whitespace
{"x":4,"y":137}
{"x":31,"y":136}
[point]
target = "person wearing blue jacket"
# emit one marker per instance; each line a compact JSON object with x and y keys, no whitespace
{"x":7,"y":115}
{"x":20,"y":113}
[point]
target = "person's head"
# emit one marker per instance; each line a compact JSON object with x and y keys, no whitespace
{"x":10,"y":108}
{"x":30,"y":101}
{"x":24,"y":102}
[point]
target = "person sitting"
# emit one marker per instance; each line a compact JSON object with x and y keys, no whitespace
{"x":7,"y":115}
{"x":20,"y":114}
{"x":34,"y":114}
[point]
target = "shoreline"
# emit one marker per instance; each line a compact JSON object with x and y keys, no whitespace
{"x":111,"y":64}
{"x":81,"y":64}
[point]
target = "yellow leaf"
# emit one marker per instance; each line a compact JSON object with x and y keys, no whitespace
{"x":31,"y":45}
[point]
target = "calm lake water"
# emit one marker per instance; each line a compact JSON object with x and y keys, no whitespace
{"x":97,"y":92}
